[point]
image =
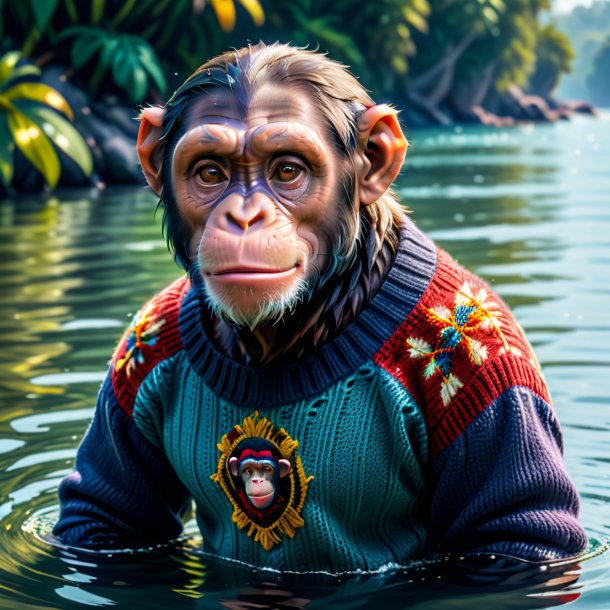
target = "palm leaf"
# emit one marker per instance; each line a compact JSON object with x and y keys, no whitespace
{"x":7,"y":67}
{"x":225,"y":13}
{"x":107,"y":54}
{"x":35,"y":146}
{"x":79,"y":30}
{"x":149,"y":61}
{"x":122,"y":64}
{"x":139,"y":84}
{"x":255,"y":10}
{"x":39,"y":92}
{"x":85,"y":47}
{"x":15,"y":73}
{"x":43,"y":11}
{"x":7,"y":146}
{"x":60,"y":132}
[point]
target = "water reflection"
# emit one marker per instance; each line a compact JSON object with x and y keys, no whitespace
{"x":525,"y":208}
{"x":186,"y":578}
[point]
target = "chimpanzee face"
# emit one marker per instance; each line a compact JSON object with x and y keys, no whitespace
{"x":259,"y":472}
{"x":258,"y":189}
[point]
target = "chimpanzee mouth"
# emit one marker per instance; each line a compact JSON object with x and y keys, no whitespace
{"x":261,"y":501}
{"x":261,"y":496}
{"x":251,"y":274}
{"x":256,"y":270}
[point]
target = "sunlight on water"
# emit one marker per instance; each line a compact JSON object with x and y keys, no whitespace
{"x":526,"y":208}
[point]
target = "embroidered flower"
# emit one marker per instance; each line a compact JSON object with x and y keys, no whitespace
{"x":144,"y":331}
{"x":471,"y":312}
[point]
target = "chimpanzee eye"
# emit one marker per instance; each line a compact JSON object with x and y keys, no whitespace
{"x":211,"y":174}
{"x":287,"y":172}
{"x":268,"y":470}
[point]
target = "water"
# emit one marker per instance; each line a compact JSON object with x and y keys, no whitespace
{"x":527,"y":208}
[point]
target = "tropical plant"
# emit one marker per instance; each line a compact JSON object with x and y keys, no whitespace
{"x":374,"y":39}
{"x":34,"y":118}
{"x":226,"y":14}
{"x":131,"y":61}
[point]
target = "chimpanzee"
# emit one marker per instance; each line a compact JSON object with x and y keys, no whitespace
{"x":394,"y":391}
{"x":257,"y":471}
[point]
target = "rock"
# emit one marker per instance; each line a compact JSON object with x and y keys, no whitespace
{"x":579,"y":106}
{"x":519,"y":106}
{"x":107,"y":126}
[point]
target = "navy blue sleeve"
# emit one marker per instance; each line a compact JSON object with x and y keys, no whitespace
{"x":502,"y":487}
{"x":123,"y":492}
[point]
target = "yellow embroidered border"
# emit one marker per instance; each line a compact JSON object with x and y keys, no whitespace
{"x":254,"y":426}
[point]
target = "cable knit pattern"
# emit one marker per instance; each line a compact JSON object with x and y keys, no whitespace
{"x":424,"y":425}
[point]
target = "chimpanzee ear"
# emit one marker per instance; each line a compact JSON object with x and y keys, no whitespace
{"x":385,"y":147}
{"x":285,"y":467}
{"x":233,"y":466}
{"x":149,"y":146}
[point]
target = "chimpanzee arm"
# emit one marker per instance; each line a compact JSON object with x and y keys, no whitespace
{"x":123,"y":492}
{"x":502,"y":486}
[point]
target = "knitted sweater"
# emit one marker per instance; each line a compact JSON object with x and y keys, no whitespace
{"x":425,"y":424}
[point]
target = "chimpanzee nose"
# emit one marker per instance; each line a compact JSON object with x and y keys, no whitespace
{"x":244,"y":221}
{"x":255,"y":210}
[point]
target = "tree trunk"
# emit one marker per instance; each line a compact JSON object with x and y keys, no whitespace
{"x":467,"y":95}
{"x":423,"y":107}
{"x":421,"y":83}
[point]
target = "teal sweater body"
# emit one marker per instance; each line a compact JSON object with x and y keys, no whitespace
{"x":364,"y":438}
{"x":425,"y":425}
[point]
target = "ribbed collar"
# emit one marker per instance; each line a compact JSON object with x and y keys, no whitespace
{"x":286,"y":382}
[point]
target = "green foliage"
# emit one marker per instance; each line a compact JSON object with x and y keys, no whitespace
{"x":120,"y":40}
{"x":454,"y":25}
{"x":374,"y":39}
{"x":599,"y":80}
{"x":43,"y":11}
{"x":130,"y":60}
{"x":554,"y":56}
{"x":420,"y":49}
{"x":33,"y":116}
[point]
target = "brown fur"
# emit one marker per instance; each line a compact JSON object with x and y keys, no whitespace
{"x":368,"y":236}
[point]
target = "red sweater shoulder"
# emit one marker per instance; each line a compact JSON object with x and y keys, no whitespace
{"x":152,"y":337}
{"x":457,"y":351}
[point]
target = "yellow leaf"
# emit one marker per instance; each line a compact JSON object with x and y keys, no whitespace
{"x":415,"y":19}
{"x":225,"y":12}
{"x":422,"y":7}
{"x":6,"y":152}
{"x":490,"y":14}
{"x":35,"y":146}
{"x":403,"y":31}
{"x":399,"y":64}
{"x":38,"y":92}
{"x":7,"y":63}
{"x":255,"y":9}
{"x":62,"y":134}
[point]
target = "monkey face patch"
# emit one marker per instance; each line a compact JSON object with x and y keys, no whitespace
{"x":264,"y":479}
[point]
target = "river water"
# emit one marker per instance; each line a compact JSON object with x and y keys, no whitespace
{"x":527,"y":208}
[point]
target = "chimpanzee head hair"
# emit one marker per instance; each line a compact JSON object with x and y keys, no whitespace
{"x":340,"y":99}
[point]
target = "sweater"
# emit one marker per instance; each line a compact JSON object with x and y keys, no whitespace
{"x":424,"y":425}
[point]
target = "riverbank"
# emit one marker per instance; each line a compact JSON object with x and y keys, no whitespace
{"x":109,"y":126}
